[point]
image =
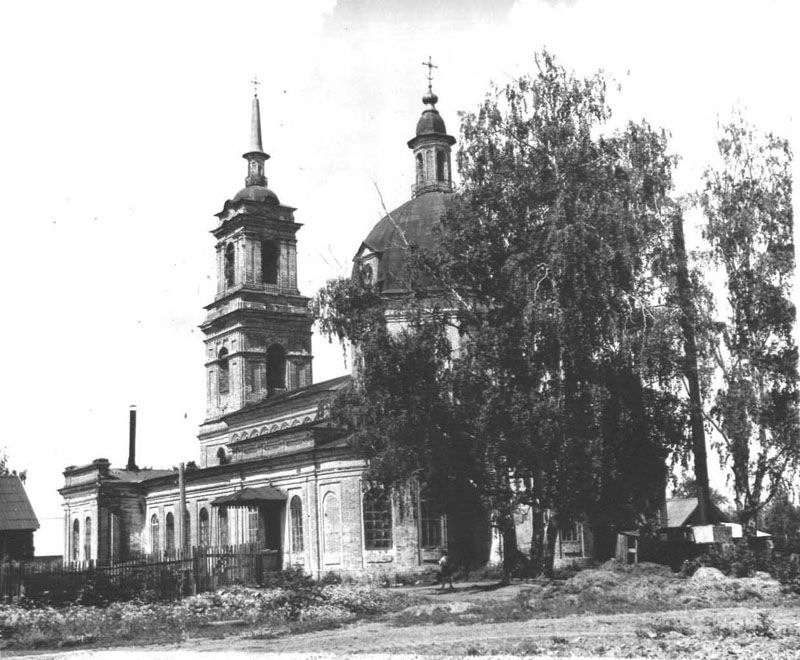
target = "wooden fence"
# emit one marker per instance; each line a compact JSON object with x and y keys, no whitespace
{"x":162,"y":577}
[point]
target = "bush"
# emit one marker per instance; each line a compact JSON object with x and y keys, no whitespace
{"x":787,"y":571}
{"x":736,"y":559}
{"x":670,"y":551}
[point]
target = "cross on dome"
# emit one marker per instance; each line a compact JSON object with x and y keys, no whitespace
{"x":255,"y":82}
{"x":431,"y":66}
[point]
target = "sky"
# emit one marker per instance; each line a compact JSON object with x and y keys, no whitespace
{"x":121,"y":132}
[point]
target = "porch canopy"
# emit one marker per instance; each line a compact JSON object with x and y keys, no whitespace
{"x":251,"y":496}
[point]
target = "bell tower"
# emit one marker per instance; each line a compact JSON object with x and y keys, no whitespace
{"x":258,"y":327}
{"x":431,"y":146}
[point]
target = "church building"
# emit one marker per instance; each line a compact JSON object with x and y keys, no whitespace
{"x":272,"y":470}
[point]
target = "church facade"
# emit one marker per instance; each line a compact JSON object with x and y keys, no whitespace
{"x":271,"y":469}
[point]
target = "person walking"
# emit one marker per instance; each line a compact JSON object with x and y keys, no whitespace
{"x":446,"y":570}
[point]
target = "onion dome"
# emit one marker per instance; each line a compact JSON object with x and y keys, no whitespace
{"x":430,"y":123}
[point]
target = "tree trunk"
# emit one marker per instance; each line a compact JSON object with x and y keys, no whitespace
{"x":688,"y":319}
{"x":510,"y":550}
{"x":538,"y":542}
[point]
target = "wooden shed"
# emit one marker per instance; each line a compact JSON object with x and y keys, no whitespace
{"x":17,"y":519}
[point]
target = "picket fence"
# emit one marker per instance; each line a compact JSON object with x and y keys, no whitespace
{"x":154,"y":577}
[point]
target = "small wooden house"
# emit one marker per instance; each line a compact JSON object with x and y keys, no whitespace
{"x":17,"y":519}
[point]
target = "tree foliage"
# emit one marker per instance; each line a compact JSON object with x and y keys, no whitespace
{"x":558,"y":244}
{"x":687,"y":487}
{"x":781,"y":518}
{"x":551,"y":266}
{"x":749,"y":228}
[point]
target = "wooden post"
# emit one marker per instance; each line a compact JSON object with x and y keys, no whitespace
{"x":182,"y":512}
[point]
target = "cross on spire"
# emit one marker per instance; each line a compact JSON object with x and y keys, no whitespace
{"x":255,"y":84}
{"x":431,"y":66}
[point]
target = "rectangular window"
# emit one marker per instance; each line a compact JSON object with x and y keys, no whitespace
{"x":570,"y":534}
{"x":430,"y":524}
{"x":255,"y":532}
{"x":377,"y":520}
{"x":297,"y":524}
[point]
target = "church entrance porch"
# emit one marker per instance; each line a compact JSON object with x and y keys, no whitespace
{"x":265,"y":508}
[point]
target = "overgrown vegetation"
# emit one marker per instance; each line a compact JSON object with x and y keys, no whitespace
{"x":297,"y":604}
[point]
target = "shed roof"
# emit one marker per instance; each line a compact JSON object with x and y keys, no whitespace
{"x":16,"y":512}
{"x":681,"y":509}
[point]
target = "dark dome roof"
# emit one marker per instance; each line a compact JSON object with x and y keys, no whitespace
{"x":431,"y":122}
{"x":256,"y":194}
{"x":414,"y":223}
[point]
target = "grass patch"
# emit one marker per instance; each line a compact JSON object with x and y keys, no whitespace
{"x":303,"y":607}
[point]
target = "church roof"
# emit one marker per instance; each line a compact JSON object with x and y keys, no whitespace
{"x":292,"y":397}
{"x":16,"y":512}
{"x":251,"y":496}
{"x":137,"y":476}
{"x":414,"y":223}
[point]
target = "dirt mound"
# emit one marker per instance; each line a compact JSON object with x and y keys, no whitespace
{"x":642,"y":568}
{"x":706,"y":574}
{"x":595,"y":577}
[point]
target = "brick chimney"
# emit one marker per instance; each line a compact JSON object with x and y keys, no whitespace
{"x":132,"y":440}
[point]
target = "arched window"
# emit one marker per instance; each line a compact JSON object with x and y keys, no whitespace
{"x":205,"y":537}
{"x":296,"y":508}
{"x":224,"y":377}
{"x":331,"y":523}
{"x":155,"y":535}
{"x":87,"y":539}
{"x":223,"y":526}
{"x":440,"y":166}
{"x":420,"y":169}
{"x":76,"y":540}
{"x":270,"y":260}
{"x":222,"y":456}
{"x":169,"y":541}
{"x":367,"y":274}
{"x":377,"y":519}
{"x":276,"y":367}
{"x":230,"y":265}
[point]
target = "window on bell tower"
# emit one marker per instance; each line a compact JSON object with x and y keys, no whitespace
{"x":224,"y":374}
{"x":420,"y":169}
{"x":276,"y":367}
{"x":230,"y":270}
{"x":440,"y":166}
{"x":270,"y":261}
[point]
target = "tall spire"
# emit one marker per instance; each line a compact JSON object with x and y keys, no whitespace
{"x":255,"y":156}
{"x":255,"y":127}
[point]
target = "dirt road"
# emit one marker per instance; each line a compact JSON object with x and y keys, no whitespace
{"x":751,"y":632}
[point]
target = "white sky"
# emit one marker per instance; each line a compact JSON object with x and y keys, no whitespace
{"x":121,"y":131}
